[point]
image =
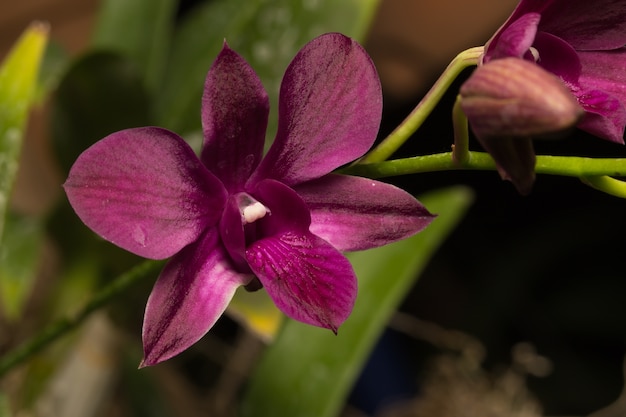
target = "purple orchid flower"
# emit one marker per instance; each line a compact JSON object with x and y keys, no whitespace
{"x":580,"y":41}
{"x":232,"y":218}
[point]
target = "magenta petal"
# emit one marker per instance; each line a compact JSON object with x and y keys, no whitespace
{"x":605,"y":71}
{"x":191,"y":293}
{"x":586,"y":25}
{"x":515,"y":40}
{"x":605,"y":116}
{"x":288,"y":212}
{"x":329,"y":111}
{"x":232,"y":233}
{"x":308,"y":279}
{"x":515,"y":160}
{"x":558,"y":57}
{"x":235,"y":107}
{"x":146,"y":191}
{"x":358,"y":213}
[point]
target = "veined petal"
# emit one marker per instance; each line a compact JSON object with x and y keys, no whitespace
{"x":307,"y":278}
{"x":354,"y":213}
{"x":605,"y":116}
{"x":515,"y":40}
{"x":146,"y":191}
{"x":603,"y":94}
{"x":586,"y":25}
{"x":605,"y":71}
{"x":191,"y":293}
{"x":329,"y":111}
{"x":235,"y":107}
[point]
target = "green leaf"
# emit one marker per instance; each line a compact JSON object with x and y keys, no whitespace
{"x":20,"y":247}
{"x":140,"y":29}
{"x":18,"y":79}
{"x":5,"y":410}
{"x":101,"y":93}
{"x":322,"y":367}
{"x":268,"y":33}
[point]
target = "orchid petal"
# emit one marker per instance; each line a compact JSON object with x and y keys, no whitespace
{"x":146,"y":191}
{"x":586,"y":25}
{"x":329,"y":111}
{"x":602,"y":94}
{"x":605,"y":71}
{"x":191,"y":293}
{"x":353,"y":213}
{"x":515,"y":40}
{"x":605,"y":116}
{"x":308,"y":279}
{"x":515,"y":160}
{"x":235,"y":107}
{"x":232,"y":233}
{"x":558,"y":57}
{"x":288,"y":212}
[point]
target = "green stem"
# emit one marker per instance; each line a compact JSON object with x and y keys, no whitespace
{"x":570,"y":166}
{"x":606,"y":184}
{"x":425,"y":107}
{"x":65,"y":325}
{"x":460,"y":149}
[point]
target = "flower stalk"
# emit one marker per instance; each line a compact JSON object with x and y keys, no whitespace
{"x":416,"y":118}
{"x":568,"y":166}
{"x":65,"y":325}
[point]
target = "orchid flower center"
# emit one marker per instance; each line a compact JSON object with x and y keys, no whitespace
{"x":535,"y":53}
{"x":253,"y":212}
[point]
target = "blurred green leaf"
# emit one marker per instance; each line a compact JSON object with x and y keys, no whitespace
{"x":101,"y":93}
{"x":5,"y":410}
{"x":268,"y":33}
{"x":140,"y":29}
{"x":18,"y":78}
{"x":19,"y":262}
{"x":309,"y":371}
{"x":54,"y":64}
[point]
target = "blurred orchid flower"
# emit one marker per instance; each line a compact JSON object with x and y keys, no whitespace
{"x":234,"y":218}
{"x":582,"y":43}
{"x":511,"y":101}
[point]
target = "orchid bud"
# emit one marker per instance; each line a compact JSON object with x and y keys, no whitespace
{"x":509,"y":102}
{"x":513,"y":98}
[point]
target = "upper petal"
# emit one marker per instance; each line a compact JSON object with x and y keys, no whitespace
{"x":586,"y":25}
{"x":355,"y":213}
{"x":191,"y":293}
{"x":515,"y":40}
{"x":234,"y":119}
{"x":144,"y":190}
{"x":307,"y":278}
{"x":329,"y":111}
